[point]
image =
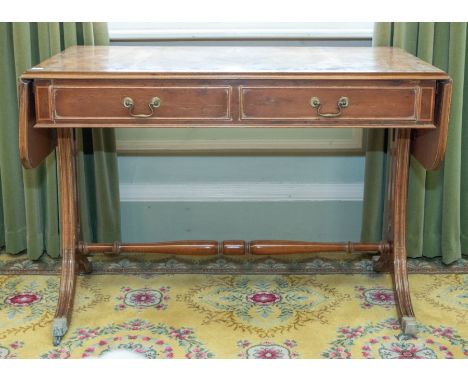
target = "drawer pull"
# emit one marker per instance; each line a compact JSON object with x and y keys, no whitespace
{"x":342,"y":103}
{"x":128,"y":103}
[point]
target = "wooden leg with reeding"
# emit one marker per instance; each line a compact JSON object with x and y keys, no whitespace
{"x":68,"y":233}
{"x":394,"y":260}
{"x":84,"y":265}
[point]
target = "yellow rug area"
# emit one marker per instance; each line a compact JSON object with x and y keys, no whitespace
{"x":235,"y":316}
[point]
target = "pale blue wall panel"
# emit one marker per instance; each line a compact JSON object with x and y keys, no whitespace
{"x":316,"y":221}
{"x":177,"y":169}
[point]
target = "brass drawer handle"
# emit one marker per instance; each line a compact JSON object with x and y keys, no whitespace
{"x":342,"y":103}
{"x":128,"y":103}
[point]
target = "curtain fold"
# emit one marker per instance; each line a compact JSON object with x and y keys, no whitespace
{"x":28,"y":198}
{"x":437,"y":217}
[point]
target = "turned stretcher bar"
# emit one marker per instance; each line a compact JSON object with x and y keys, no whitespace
{"x":231,"y":247}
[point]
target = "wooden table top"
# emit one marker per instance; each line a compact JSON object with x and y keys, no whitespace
{"x":174,"y":61}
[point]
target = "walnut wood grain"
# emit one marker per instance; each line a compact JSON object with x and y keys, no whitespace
{"x":238,"y":103}
{"x":236,"y":87}
{"x":289,"y":247}
{"x":189,"y":61}
{"x":68,"y":233}
{"x":182,"y":247}
{"x":34,"y":144}
{"x":81,"y":103}
{"x":84,"y":265}
{"x":372,"y":101}
{"x":230,"y":247}
{"x":394,"y":260}
{"x":428,"y":146}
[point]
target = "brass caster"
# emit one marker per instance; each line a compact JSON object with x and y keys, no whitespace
{"x":57,"y":340}
{"x":409,"y":326}
{"x":59,"y":328}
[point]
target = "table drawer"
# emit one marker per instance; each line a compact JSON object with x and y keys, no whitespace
{"x":106,"y":104}
{"x":321,"y":103}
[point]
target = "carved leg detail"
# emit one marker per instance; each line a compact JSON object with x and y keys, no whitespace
{"x":62,"y":317}
{"x":402,"y":293}
{"x":385,"y":262}
{"x":395,"y":229}
{"x":68,"y":232}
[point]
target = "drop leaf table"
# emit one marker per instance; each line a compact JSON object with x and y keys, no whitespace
{"x":235,"y":87}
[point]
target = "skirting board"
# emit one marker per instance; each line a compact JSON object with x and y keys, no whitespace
{"x":245,"y":192}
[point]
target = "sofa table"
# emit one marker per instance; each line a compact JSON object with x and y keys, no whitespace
{"x":236,"y":87}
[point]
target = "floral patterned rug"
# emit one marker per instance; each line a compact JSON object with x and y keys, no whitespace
{"x":235,"y":316}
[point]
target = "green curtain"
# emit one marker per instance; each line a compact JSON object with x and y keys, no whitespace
{"x":437,"y":216}
{"x":28,"y":198}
